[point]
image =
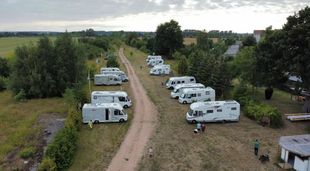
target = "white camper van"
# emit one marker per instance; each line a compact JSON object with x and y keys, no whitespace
{"x":191,"y":95}
{"x":121,"y":74}
{"x":109,"y":69}
{"x":120,"y":97}
{"x":178,"y":89}
{"x":173,"y":81}
{"x":151,"y":57}
{"x":160,"y":70}
{"x":154,"y":62}
{"x":214,"y":111}
{"x":104,"y":112}
{"x":107,"y":79}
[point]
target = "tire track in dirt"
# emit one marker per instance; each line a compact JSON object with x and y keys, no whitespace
{"x":142,"y":126}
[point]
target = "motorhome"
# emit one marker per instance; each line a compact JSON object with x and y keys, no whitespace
{"x":121,"y":74}
{"x":178,"y":89}
{"x":104,"y":112}
{"x":151,"y":57}
{"x":173,"y":81}
{"x":120,"y":97}
{"x":109,"y":69}
{"x":191,"y":95}
{"x":160,"y":70}
{"x":107,"y":79}
{"x":213,"y":111}
{"x":154,"y":62}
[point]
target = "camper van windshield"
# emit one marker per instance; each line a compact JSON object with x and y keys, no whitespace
{"x":183,"y":95}
{"x":123,"y":112}
{"x":190,"y":112}
{"x":175,"y":90}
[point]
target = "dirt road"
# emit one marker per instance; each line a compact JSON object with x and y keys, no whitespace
{"x":141,"y":129}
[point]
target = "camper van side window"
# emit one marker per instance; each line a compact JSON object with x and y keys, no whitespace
{"x":111,"y":78}
{"x":115,"y":79}
{"x":195,"y":113}
{"x":233,"y":108}
{"x":178,"y":82}
{"x":183,"y":81}
{"x":116,"y":112}
{"x":219,"y":110}
{"x":200,"y":113}
{"x":193,"y":95}
{"x":207,"y":92}
{"x":198,"y":94}
{"x":192,"y":79}
{"x":122,"y":99}
{"x":209,"y":111}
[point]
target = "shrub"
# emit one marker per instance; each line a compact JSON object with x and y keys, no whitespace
{"x":112,"y":62}
{"x":74,"y":119}
{"x":47,"y":164}
{"x":21,"y":96}
{"x":27,"y":153}
{"x":3,"y":83}
{"x":62,"y":149}
{"x":259,"y":111}
{"x":242,"y":94}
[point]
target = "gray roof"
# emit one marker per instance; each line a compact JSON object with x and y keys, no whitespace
{"x":299,"y":144}
{"x":232,"y":50}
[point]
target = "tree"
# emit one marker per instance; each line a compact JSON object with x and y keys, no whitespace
{"x":249,"y":41}
{"x":182,"y":66}
{"x":112,"y":62}
{"x":270,"y":68}
{"x":297,"y":43}
{"x":4,"y":67}
{"x":168,"y":38}
{"x":203,"y":42}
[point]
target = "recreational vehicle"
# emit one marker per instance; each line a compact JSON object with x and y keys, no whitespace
{"x":214,"y":111}
{"x":107,"y":79}
{"x":178,"y":89}
{"x":151,"y":57}
{"x":121,"y":74}
{"x":109,"y":69}
{"x":154,"y":62}
{"x":173,"y":81}
{"x":160,"y":69}
{"x":191,"y":95}
{"x":104,"y":112}
{"x":120,"y":97}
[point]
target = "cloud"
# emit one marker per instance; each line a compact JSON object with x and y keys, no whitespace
{"x":61,"y":14}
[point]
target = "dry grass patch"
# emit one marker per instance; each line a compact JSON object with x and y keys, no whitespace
{"x":223,"y":146}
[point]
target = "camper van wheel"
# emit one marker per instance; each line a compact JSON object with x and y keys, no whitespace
{"x":96,"y":121}
{"x":223,"y":121}
{"x":184,"y":102}
{"x":126,"y":106}
{"x":121,"y":120}
{"x":194,"y":121}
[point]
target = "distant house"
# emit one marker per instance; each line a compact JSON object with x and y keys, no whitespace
{"x":258,"y":34}
{"x":295,"y":152}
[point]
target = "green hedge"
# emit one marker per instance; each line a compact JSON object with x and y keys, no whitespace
{"x":258,"y":111}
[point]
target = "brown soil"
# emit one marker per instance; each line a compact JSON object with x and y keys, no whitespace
{"x":142,"y":127}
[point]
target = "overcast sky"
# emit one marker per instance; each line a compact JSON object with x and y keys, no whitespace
{"x":145,"y":15}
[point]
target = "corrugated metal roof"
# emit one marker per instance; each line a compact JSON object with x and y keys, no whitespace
{"x":299,"y":144}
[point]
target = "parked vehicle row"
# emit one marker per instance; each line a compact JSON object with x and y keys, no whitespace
{"x":158,"y":66}
{"x":110,"y":76}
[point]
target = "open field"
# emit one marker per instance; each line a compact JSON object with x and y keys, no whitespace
{"x":97,"y":146}
{"x":223,"y":147}
{"x":8,"y":44}
{"x":18,"y":122}
{"x":189,"y":41}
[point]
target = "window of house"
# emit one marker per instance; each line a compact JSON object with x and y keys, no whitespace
{"x":209,"y":111}
{"x":233,"y":108}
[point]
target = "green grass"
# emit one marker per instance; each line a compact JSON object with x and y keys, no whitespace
{"x":18,"y":125}
{"x":97,"y":146}
{"x":176,"y":147}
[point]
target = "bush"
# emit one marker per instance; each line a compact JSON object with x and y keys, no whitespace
{"x":74,"y":119}
{"x":27,"y":153}
{"x":47,"y":164}
{"x":62,"y":149}
{"x":3,"y":83}
{"x":112,"y":62}
{"x":21,"y":96}
{"x":242,"y":94}
{"x":259,"y":111}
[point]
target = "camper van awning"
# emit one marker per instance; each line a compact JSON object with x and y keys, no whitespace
{"x":299,"y":144}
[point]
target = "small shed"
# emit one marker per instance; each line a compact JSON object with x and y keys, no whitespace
{"x":295,"y":151}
